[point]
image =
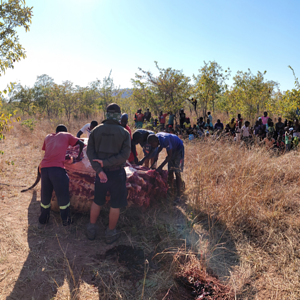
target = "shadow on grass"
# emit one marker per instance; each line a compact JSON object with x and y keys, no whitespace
{"x":222,"y":255}
{"x":58,"y":257}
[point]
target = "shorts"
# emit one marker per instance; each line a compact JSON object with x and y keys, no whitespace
{"x":147,"y":149}
{"x":115,"y":185}
{"x":176,"y":164}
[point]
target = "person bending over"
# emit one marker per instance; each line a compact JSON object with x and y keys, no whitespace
{"x":87,"y":128}
{"x":175,"y":156}
{"x":150,"y":155}
{"x":53,"y":173}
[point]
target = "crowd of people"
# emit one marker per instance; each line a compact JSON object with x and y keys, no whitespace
{"x":278,"y":135}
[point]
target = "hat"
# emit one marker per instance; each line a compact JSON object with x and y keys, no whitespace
{"x":124,"y":117}
{"x":113,"y":108}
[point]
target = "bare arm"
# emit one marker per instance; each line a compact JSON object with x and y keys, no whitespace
{"x":79,"y":133}
{"x":167,"y":159}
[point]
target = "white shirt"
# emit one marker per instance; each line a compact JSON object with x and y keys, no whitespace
{"x":86,"y":129}
{"x":245,"y":131}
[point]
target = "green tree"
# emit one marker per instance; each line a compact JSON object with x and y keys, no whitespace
{"x":13,"y":14}
{"x":209,"y":84}
{"x":168,"y":91}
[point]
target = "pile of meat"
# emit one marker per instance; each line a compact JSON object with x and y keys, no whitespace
{"x":144,"y":185}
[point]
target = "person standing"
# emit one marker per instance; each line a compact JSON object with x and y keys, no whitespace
{"x":108,"y":149}
{"x":139,"y":119}
{"x":124,"y":123}
{"x":147,"y":115}
{"x":87,"y":128}
{"x":162,"y":120}
{"x":181,"y":117}
{"x":209,"y":116}
{"x":265,"y":118}
{"x":171,"y":120}
{"x":53,"y":173}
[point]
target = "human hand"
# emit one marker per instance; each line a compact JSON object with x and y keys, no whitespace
{"x":100,"y":161}
{"x":103,"y":177}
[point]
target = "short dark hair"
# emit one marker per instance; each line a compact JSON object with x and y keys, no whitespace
{"x":137,"y":136}
{"x":152,"y":138}
{"x":94,"y":124}
{"x":113,"y":108}
{"x":61,"y":128}
{"x":208,"y":112}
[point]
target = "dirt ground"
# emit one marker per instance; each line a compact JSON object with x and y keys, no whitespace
{"x":58,"y":262}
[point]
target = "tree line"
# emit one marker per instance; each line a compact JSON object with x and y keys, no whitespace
{"x":170,"y":90}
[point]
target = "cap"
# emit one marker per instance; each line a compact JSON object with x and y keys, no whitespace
{"x":113,"y":108}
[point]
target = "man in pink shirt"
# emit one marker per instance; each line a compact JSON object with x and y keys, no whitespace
{"x":53,"y":173}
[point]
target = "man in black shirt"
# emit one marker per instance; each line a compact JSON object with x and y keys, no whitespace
{"x":181,"y":117}
{"x":279,"y":125}
{"x":147,"y":115}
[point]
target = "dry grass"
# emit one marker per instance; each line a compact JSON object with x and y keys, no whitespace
{"x":253,"y":197}
{"x":241,"y":223}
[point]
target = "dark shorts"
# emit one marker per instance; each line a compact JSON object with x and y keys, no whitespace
{"x":115,"y":185}
{"x":57,"y":179}
{"x":176,"y":164}
{"x":147,"y":149}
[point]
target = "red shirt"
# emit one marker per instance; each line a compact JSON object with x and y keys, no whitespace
{"x":131,"y":156}
{"x":55,"y":147}
{"x":162,"y":118}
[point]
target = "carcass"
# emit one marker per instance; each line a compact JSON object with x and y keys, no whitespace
{"x":144,"y":185}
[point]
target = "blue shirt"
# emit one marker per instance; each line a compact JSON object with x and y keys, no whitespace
{"x":169,"y":141}
{"x":171,"y":119}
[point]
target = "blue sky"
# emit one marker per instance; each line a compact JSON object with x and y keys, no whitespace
{"x":81,"y":40}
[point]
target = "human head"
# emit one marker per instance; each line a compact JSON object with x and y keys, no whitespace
{"x":201,"y":119}
{"x":269,"y":135}
{"x":139,"y":110}
{"x":61,"y":128}
{"x":232,"y":120}
{"x":147,"y":109}
{"x":247,"y":123}
{"x":239,"y":116}
{"x":279,"y":120}
{"x":218,"y":121}
{"x":124,"y":120}
{"x":153,"y":140}
{"x":113,"y":112}
{"x":137,"y":137}
{"x":93,"y":124}
{"x":265,"y":114}
{"x":208,"y":113}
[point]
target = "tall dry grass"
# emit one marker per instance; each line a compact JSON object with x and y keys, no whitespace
{"x":255,"y":196}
